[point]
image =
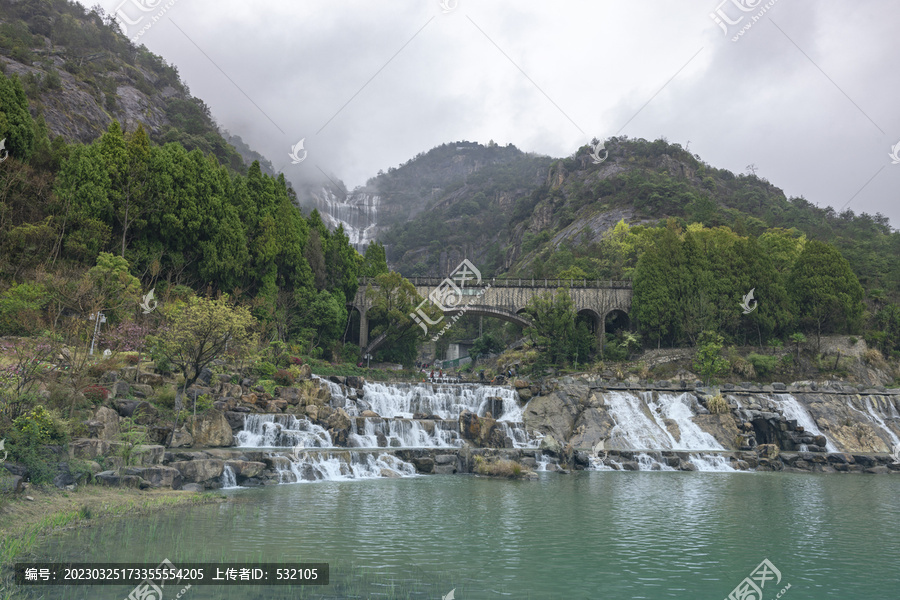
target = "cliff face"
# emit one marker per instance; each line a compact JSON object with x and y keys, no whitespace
{"x":80,"y":73}
{"x":591,"y":413}
{"x":78,"y":112}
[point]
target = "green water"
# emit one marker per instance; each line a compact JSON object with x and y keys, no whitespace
{"x":586,"y":535}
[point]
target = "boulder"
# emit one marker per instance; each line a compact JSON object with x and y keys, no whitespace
{"x":520,"y":383}
{"x":554,"y":413}
{"x":149,"y":454}
{"x":151,"y":379}
{"x":525,"y":394}
{"x":192,"y":487}
{"x":114,"y":479}
{"x":550,"y":445}
{"x":109,"y":423}
{"x":64,"y":479}
{"x":424,"y":464}
{"x":141,"y":390}
{"x":88,"y":449}
{"x":592,"y":426}
{"x":369,"y":414}
{"x":181,"y":439}
{"x":244,"y":469}
{"x":12,"y":484}
{"x":305,"y":372}
{"x":158,"y":476}
{"x":200,"y":471}
{"x":210,"y":430}
{"x":120,"y":389}
{"x":339,"y":426}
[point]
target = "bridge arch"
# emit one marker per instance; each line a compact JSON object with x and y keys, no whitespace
{"x":506,"y":299}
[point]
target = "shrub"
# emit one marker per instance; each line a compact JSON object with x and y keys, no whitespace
{"x":268,"y":385}
{"x":284,"y":378}
{"x":762,"y":363}
{"x":96,"y":394}
{"x":296,"y":361}
{"x":42,"y":427}
{"x":853,"y":340}
{"x":100,"y":368}
{"x":742,"y":367}
{"x":717,"y":405}
{"x":203,"y":403}
{"x":873,"y":357}
{"x":132,"y":359}
{"x":264,"y":368}
{"x":165,"y":396}
{"x":498,"y":468}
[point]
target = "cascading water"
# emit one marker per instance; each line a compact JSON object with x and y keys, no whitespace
{"x":405,"y":433}
{"x":339,"y":466}
{"x":519,"y":436}
{"x":641,"y":422}
{"x":879,"y":419}
{"x":229,"y":480}
{"x":792,"y":409}
{"x":442,"y":401}
{"x":281,"y":431}
{"x":358,"y":213}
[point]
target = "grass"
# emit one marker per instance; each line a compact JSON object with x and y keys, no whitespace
{"x":717,"y":405}
{"x":23,"y":522}
{"x":499,"y":468}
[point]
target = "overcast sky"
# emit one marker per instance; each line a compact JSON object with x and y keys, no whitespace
{"x":809,"y":93}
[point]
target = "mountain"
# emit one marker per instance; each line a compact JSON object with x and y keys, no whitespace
{"x":524,"y":215}
{"x":80,"y":73}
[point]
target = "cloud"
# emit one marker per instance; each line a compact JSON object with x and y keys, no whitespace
{"x":806,"y":94}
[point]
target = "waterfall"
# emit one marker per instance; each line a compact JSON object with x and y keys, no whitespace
{"x":792,"y":409}
{"x":443,"y":401}
{"x":518,"y":436}
{"x":641,"y":422}
{"x":405,"y":433}
{"x":650,"y":461}
{"x":229,"y":480}
{"x":870,"y":408}
{"x":339,"y":466}
{"x":358,"y":213}
{"x":281,"y":431}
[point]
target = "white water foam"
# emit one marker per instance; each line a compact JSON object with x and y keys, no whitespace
{"x":877,"y":417}
{"x":229,"y":479}
{"x":444,"y":401}
{"x":519,"y":436}
{"x":340,"y":466}
{"x":640,"y":422}
{"x":281,"y":431}
{"x":404,"y":433}
{"x":792,"y":409}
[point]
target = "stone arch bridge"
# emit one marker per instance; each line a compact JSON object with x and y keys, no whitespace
{"x":506,"y":299}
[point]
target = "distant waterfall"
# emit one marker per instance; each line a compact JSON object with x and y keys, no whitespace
{"x":358,"y":213}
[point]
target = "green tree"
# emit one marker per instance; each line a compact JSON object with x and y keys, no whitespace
{"x":825,"y":289}
{"x":552,"y":328}
{"x":708,"y":359}
{"x":198,"y":332}
{"x":375,"y":261}
{"x":484,"y":345}
{"x":16,"y":124}
{"x":393,"y":300}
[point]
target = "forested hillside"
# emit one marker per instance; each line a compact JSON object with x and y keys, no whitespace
{"x":80,"y":73}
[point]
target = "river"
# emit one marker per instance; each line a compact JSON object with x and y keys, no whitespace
{"x":590,"y":534}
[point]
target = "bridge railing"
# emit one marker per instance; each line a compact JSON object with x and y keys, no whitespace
{"x":522,"y":283}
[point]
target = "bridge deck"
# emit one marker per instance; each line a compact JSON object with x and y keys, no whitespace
{"x":522,"y":283}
